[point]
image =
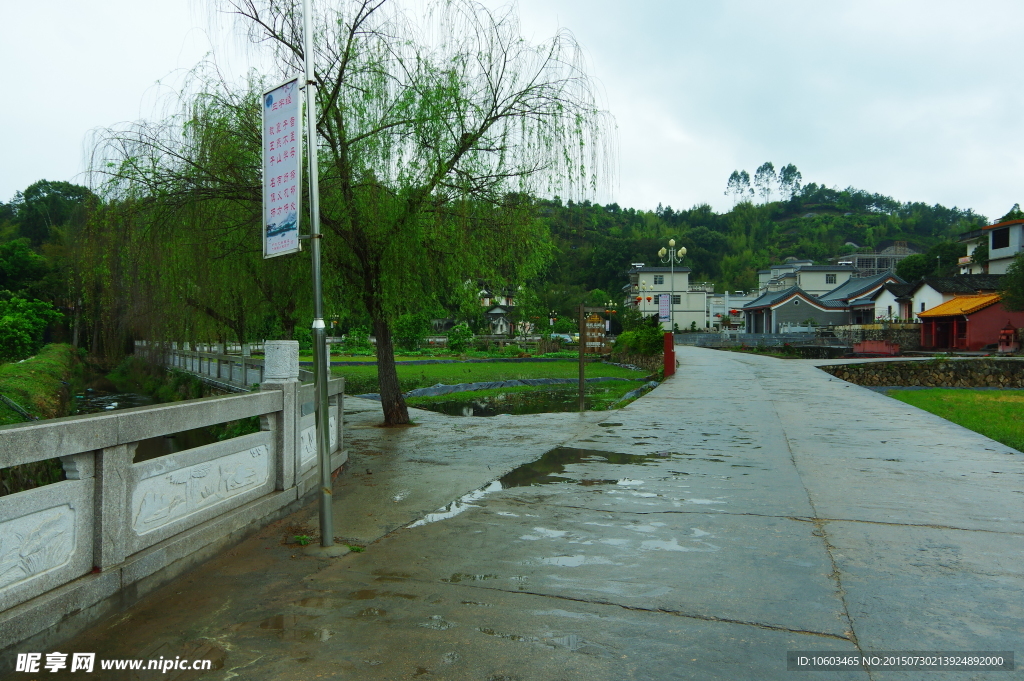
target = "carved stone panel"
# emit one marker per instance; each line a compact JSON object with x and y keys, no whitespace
{"x":35,"y":544}
{"x":163,"y":499}
{"x":307,"y":440}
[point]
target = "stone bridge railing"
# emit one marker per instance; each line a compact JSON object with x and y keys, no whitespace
{"x":210,"y":362}
{"x":67,"y":549}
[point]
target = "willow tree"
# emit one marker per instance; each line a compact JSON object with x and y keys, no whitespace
{"x":183,"y":196}
{"x":434,"y":130}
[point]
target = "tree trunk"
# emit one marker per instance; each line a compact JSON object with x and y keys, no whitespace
{"x":395,"y":411}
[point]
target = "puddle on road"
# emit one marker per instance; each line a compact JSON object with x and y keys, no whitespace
{"x":547,"y":470}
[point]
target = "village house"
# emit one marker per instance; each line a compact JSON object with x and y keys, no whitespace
{"x":967,"y":322}
{"x":688,"y":305}
{"x":848,"y":303}
{"x":933,"y":291}
{"x":1005,"y":241}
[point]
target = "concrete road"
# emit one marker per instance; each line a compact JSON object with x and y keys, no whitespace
{"x":748,"y":507}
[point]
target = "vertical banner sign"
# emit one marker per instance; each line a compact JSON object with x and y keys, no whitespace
{"x":663,"y":311}
{"x":282,"y":169}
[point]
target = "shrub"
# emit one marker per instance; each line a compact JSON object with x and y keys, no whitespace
{"x":358,"y":338}
{"x":22,"y":323}
{"x":645,"y":340}
{"x":459,"y":337}
{"x":411,"y":329}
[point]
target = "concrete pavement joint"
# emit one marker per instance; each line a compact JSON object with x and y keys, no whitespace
{"x":665,"y":611}
{"x":797,"y":518}
{"x":836,"y":574}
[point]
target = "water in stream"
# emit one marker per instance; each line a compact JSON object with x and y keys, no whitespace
{"x":95,"y":401}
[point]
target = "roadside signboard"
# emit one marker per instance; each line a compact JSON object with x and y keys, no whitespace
{"x":282,"y":169}
{"x":595,"y":335}
{"x":663,"y":307}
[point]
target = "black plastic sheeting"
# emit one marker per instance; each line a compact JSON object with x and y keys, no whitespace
{"x":442,"y":389}
{"x":649,"y":385}
{"x":455,"y":361}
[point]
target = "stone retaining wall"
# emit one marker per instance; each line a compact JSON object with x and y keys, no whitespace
{"x":650,"y":363}
{"x":907,"y":336}
{"x":942,"y":373}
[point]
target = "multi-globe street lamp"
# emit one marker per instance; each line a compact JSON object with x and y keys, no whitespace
{"x":609,"y":309}
{"x":672,"y":257}
{"x":641,"y":292}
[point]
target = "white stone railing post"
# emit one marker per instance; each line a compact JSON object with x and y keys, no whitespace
{"x":281,"y":372}
{"x":111,"y":505}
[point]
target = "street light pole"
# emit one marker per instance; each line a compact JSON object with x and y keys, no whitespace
{"x":320,"y":356}
{"x":672,"y":257}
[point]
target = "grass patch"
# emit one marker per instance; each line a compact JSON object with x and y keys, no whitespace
{"x":41,"y":386}
{"x":359,"y":380}
{"x":993,"y":413}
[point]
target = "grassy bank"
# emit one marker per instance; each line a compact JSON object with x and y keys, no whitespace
{"x":360,"y":379}
{"x":993,"y":413}
{"x":163,"y":385}
{"x":167,"y":385}
{"x":42,"y":386}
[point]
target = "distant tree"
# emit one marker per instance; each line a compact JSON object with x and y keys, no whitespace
{"x":980,"y":254}
{"x":764,"y":179}
{"x":1013,"y":284}
{"x":1015,"y":214}
{"x":19,"y":265}
{"x":914,"y":267}
{"x":945,"y":257}
{"x":48,"y":205}
{"x":789,"y":180}
{"x":739,"y":186}
{"x":22,"y":324}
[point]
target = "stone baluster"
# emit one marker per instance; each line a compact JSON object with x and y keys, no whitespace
{"x":281,"y":372}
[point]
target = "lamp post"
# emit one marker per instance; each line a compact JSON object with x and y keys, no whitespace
{"x":644,"y":290}
{"x":672,"y":257}
{"x":609,"y":309}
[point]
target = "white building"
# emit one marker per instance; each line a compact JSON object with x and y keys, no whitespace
{"x":721,"y":306}
{"x":688,"y":304}
{"x":1005,"y":241}
{"x":814,"y":279}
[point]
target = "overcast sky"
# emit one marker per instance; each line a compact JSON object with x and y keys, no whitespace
{"x":921,"y":101}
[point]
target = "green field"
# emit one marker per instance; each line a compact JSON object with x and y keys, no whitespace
{"x":360,"y":380}
{"x":993,"y":413}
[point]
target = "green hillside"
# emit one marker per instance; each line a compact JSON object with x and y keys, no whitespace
{"x":596,"y":244}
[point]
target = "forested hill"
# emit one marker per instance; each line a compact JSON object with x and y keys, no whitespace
{"x":596,"y":244}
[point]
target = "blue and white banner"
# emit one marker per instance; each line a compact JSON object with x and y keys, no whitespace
{"x":282,"y":169}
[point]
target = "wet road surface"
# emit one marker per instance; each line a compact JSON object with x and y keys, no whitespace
{"x":747,"y":507}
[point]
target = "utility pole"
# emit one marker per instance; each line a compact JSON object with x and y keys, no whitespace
{"x":583,"y":345}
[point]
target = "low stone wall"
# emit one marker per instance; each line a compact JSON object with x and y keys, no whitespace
{"x":650,"y":363}
{"x":951,"y":373}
